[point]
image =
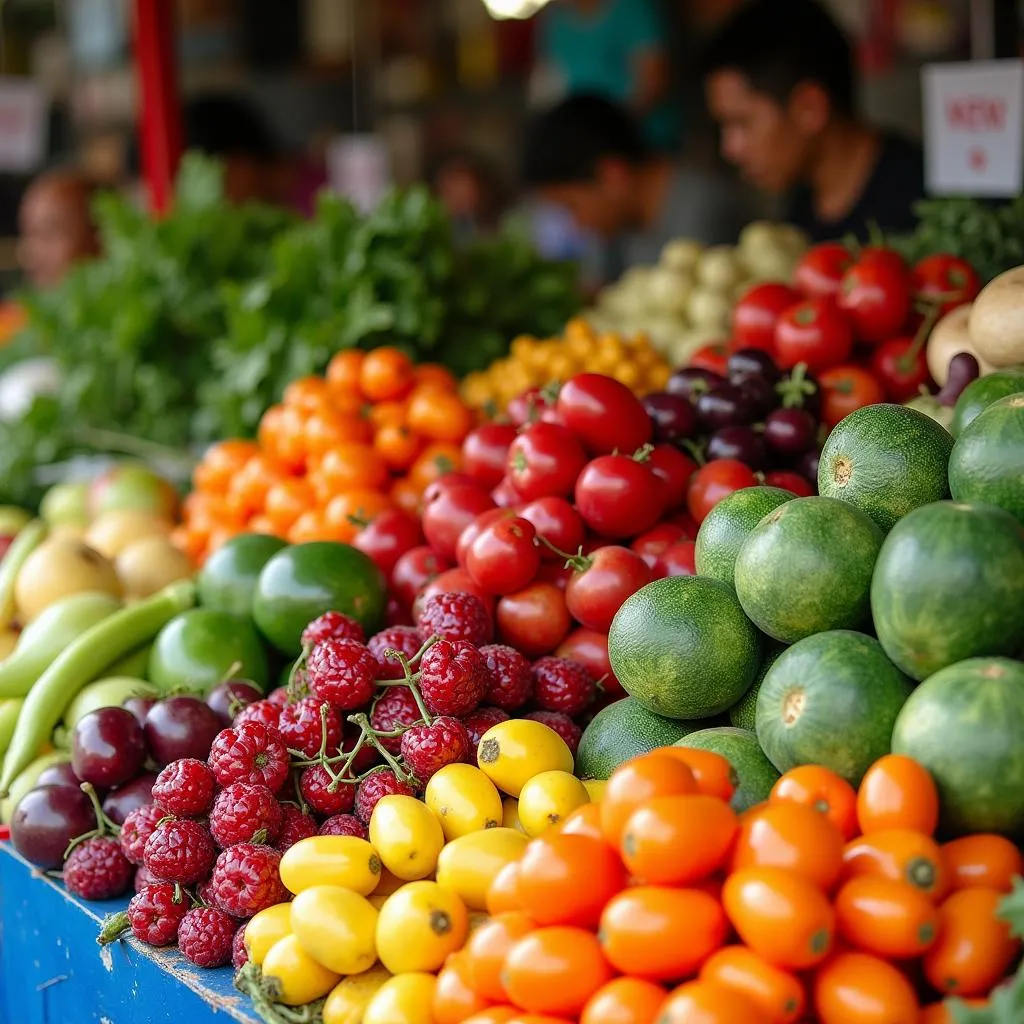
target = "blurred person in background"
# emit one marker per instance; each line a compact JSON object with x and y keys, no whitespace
{"x":469,"y":189}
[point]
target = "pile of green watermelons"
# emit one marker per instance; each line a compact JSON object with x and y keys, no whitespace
{"x":884,"y":614}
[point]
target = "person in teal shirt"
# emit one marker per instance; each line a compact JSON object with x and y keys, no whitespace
{"x":616,"y":49}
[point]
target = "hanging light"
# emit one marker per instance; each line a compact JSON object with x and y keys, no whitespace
{"x":502,"y":9}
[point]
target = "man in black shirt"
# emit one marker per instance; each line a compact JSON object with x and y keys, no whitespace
{"x":780,"y":81}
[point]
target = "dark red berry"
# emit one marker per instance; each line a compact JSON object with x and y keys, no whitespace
{"x":295,"y":825}
{"x":478,"y":722}
{"x":406,"y":640}
{"x":280,"y":696}
{"x":344,"y":825}
{"x":137,"y":828}
{"x":265,"y":712}
{"x":561,"y":723}
{"x":205,"y":937}
{"x":250,"y":753}
{"x":562,"y":685}
{"x":453,"y":678}
{"x":239,"y":954}
{"x":98,"y":869}
{"x":155,"y":912}
{"x":332,"y":626}
{"x":511,"y":680}
{"x":426,"y":749}
{"x":243,"y":813}
{"x":185,"y":788}
{"x":341,"y":672}
{"x":395,"y":709}
{"x":245,"y":880}
{"x":315,"y":784}
{"x":180,"y":851}
{"x":376,"y":786}
{"x":456,"y":617}
{"x":144,"y":877}
{"x":303,"y":729}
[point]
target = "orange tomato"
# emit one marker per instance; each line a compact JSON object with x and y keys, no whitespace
{"x":677,"y":840}
{"x":386,"y":374}
{"x":555,"y":971}
{"x":439,"y":414}
{"x":347,"y":467}
{"x":435,"y":375}
{"x":822,"y":789}
{"x":854,"y":988}
{"x":584,"y":821}
{"x":778,"y":994}
{"x":901,"y":855}
{"x":493,"y":1015}
{"x":282,"y":435}
{"x":220,"y":463}
{"x":714,"y":774}
{"x":344,"y":371}
{"x":454,"y":998}
{"x":487,"y":948}
{"x":406,"y":495}
{"x":347,"y":513}
{"x":780,"y":916}
{"x":624,"y":1001}
{"x":310,"y":526}
{"x":938,"y":1014}
{"x":387,"y":414}
{"x":261,"y":524}
{"x":636,"y":781}
{"x":398,"y":446}
{"x":311,"y":394}
{"x":327,"y":430}
{"x":975,"y":948}
{"x":434,"y":462}
{"x":984,"y":860}
{"x":661,"y":934}
{"x":191,"y":542}
{"x":897,"y":792}
{"x":707,"y":1002}
{"x":794,"y":837}
{"x":287,"y":500}
{"x":889,"y":919}
{"x":248,"y":489}
{"x":503,"y":892}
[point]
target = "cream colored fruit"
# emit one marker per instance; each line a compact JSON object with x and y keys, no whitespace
{"x":58,"y":567}
{"x":115,"y":531}
{"x":949,"y":337}
{"x":8,"y":641}
{"x":996,"y":323}
{"x":150,"y":564}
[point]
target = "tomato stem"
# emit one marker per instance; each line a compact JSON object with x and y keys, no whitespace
{"x":795,"y":388}
{"x":906,"y":361}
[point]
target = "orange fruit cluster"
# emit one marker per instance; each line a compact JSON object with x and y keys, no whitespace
{"x":369,"y":435}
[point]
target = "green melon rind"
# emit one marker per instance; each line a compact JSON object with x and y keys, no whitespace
{"x":987,"y":464}
{"x":831,"y":700}
{"x":886,"y":460}
{"x":683,"y":647}
{"x":740,"y":748}
{"x":620,"y":731}
{"x":743,"y":714}
{"x":965,"y":724}
{"x":981,"y":393}
{"x":949,"y":585}
{"x":227,"y":580}
{"x":728,"y":525}
{"x":806,"y":568}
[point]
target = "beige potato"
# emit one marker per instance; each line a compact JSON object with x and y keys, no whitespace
{"x":996,"y":322}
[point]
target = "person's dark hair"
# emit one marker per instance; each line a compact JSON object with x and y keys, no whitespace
{"x":228,"y":125}
{"x":779,"y":44}
{"x":566,"y":144}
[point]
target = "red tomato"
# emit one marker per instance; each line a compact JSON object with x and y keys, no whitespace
{"x":619,"y":495}
{"x":820,"y":271}
{"x":387,"y":537}
{"x":444,"y":482}
{"x":557,"y":522}
{"x":531,"y":407}
{"x":485,"y":453}
{"x":589,"y":648}
{"x":678,"y":560}
{"x":454,"y":581}
{"x":845,"y":389}
{"x":883,"y":256}
{"x":674,"y":468}
{"x":504,"y":557}
{"x":449,"y":512}
{"x":902,"y":368}
{"x":652,"y":544}
{"x":946,"y":280}
{"x":754,"y":317}
{"x":545,"y":459}
{"x":505,"y":495}
{"x":713,"y":358}
{"x":790,"y":482}
{"x":875,"y":295}
{"x":557,"y":573}
{"x":713,"y":481}
{"x":414,"y":570}
{"x":686,"y":521}
{"x":534,"y":620}
{"x":814,"y":332}
{"x":603,"y":413}
{"x":604,"y":580}
{"x":471,"y":532}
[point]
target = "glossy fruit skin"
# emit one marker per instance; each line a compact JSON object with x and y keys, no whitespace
{"x":845,"y":389}
{"x":636,"y":781}
{"x":589,"y":648}
{"x":854,"y":988}
{"x":707,"y":1001}
{"x":464,"y":800}
{"x":896,"y":792}
{"x":888,"y":919}
{"x":534,"y":620}
{"x":505,"y":555}
{"x":675,"y":470}
{"x":45,"y":821}
{"x":407,"y":836}
{"x":468,"y":865}
{"x":824,"y":791}
{"x":596,"y":592}
{"x":624,"y":1001}
{"x":408,"y":998}
{"x":545,"y":459}
{"x":756,"y":314}
{"x":414,"y":570}
{"x":875,"y":295}
{"x":678,"y":560}
{"x":487,"y":947}
{"x":512,"y":752}
{"x":265,"y":928}
{"x":448,"y":512}
{"x":331,"y":860}
{"x":557,"y":523}
{"x":983,"y":860}
{"x":946,"y":279}
{"x":814,"y":332}
{"x":107,"y":747}
{"x":714,"y":773}
{"x":503,"y":891}
{"x":178,"y":727}
{"x":714,"y":481}
{"x":485,"y":452}
{"x":901,"y":368}
{"x":387,"y":537}
{"x":619,"y":496}
{"x":603,"y":413}
{"x":819,"y":272}
{"x":454,"y":996}
{"x":547,"y":799}
{"x":775,"y":992}
{"x":900,"y":855}
{"x":418,"y":926}
{"x":298,"y":977}
{"x":348,"y":999}
{"x":336,"y":927}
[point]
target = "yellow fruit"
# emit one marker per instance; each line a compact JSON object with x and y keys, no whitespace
{"x":406,"y":835}
{"x":418,"y":927}
{"x":560,"y":366}
{"x":523,"y":347}
{"x":347,"y":861}
{"x":512,"y":752}
{"x":349,"y":998}
{"x":627,"y":373}
{"x":464,"y":800}
{"x":595,"y":789}
{"x":293,"y":975}
{"x":407,"y":999}
{"x":547,"y":798}
{"x":468,"y":865}
{"x":265,"y":928}
{"x":510,"y":814}
{"x":657,"y":376}
{"x":336,"y":927}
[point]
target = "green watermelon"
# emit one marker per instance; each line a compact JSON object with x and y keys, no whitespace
{"x":965,"y":724}
{"x":831,"y":700}
{"x":886,"y":460}
{"x":227,"y":580}
{"x":949,"y":585}
{"x":981,"y":393}
{"x":742,"y":714}
{"x":806,"y":568}
{"x":727,"y":526}
{"x":620,"y":731}
{"x":987,"y":463}
{"x":740,"y":748}
{"x":683,"y":647}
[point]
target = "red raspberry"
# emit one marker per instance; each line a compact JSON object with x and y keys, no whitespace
{"x":245,"y":880}
{"x":281,"y":696}
{"x":561,"y":723}
{"x":266,"y":712}
{"x":394,"y":709}
{"x":239,"y":954}
{"x":98,"y":870}
{"x":453,"y":678}
{"x":341,"y":672}
{"x":144,"y":877}
{"x":185,"y":788}
{"x":250,"y":753}
{"x":180,"y":851}
{"x":562,"y":685}
{"x":344,"y":825}
{"x":332,"y":626}
{"x":426,"y":749}
{"x":295,"y":825}
{"x":243,"y":813}
{"x":138,"y":826}
{"x":456,"y":617}
{"x":315,"y":786}
{"x":205,"y":937}
{"x":155,"y":912}
{"x":374,"y":787}
{"x":479,"y":721}
{"x":302,"y":728}
{"x":406,"y":640}
{"x":511,"y":682}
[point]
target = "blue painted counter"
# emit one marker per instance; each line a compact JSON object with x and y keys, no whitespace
{"x":53,"y":972}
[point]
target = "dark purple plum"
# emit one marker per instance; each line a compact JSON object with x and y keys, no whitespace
{"x":120,"y":802}
{"x":807,"y":465}
{"x":692,"y":381}
{"x":229,"y":697}
{"x":751,"y":362}
{"x":181,"y":727}
{"x":740,"y":443}
{"x":139,"y":707}
{"x":790,"y":432}
{"x":725,"y":406}
{"x":107,"y":747}
{"x":963,"y":368}
{"x":760,"y":393}
{"x":46,"y":820}
{"x":59,"y":775}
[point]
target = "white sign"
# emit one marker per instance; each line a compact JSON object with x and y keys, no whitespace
{"x":974,"y":128}
{"x":23,"y":125}
{"x":358,"y":168}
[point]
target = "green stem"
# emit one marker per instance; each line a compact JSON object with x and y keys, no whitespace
{"x":114,"y":926}
{"x":364,"y":724}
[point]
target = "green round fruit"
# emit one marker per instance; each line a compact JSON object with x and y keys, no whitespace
{"x":683,"y":647}
{"x":806,"y":568}
{"x":727,"y":526}
{"x":198,"y":648}
{"x":965,"y":725}
{"x":981,"y":393}
{"x":227,"y":580}
{"x":830,"y":700}
{"x":743,"y":713}
{"x":620,"y":731}
{"x":754,"y":772}
{"x":949,"y":585}
{"x":987,"y":464}
{"x":303,"y":581}
{"x":886,"y":460}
